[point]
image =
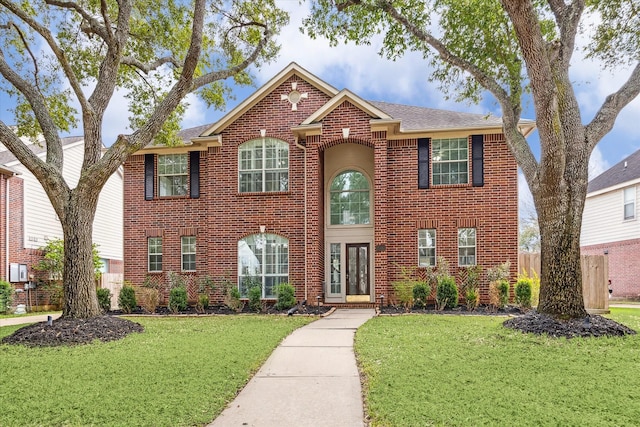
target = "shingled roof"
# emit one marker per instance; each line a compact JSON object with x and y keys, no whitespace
{"x":422,"y":118}
{"x":627,"y":169}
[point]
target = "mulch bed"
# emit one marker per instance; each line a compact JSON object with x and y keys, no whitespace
{"x":111,"y":327}
{"x":530,"y":321}
{"x":73,"y":331}
{"x":590,"y":326}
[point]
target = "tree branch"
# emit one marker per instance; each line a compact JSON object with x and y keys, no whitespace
{"x":59,"y":53}
{"x":95,"y":26}
{"x":605,"y":118}
{"x":147,"y":68}
{"x":511,"y":108}
{"x":41,"y":112}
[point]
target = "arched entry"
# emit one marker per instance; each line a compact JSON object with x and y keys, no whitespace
{"x":349,"y":199}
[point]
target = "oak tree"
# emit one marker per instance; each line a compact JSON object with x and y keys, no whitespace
{"x":510,"y":48}
{"x":63,"y":60}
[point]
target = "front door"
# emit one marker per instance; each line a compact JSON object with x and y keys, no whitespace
{"x":357,"y":272}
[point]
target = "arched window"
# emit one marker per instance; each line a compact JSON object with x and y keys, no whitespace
{"x":263,"y":260}
{"x":350,"y":199}
{"x":263,"y":166}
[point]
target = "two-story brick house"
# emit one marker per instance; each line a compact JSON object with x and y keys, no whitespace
{"x":307,"y":184}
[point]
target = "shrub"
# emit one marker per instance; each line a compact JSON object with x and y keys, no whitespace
{"x":127,"y":299}
{"x":421,"y":292}
{"x":231,"y":294}
{"x":202,"y":304}
{"x":255,"y":298}
{"x":403,"y":288}
{"x":149,"y":299}
{"x":6,"y":292}
{"x":286,"y":296}
{"x":523,"y":292}
{"x":535,"y":285}
{"x":446,"y":293}
{"x":104,"y":299}
{"x":177,"y":299}
{"x":471,"y":298}
{"x":503,"y":290}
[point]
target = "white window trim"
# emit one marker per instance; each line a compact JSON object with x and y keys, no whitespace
{"x":155,"y":253}
{"x":435,"y":162}
{"x":475,"y":247}
{"x":183,"y":253}
{"x":185,"y":174}
{"x":328,"y":201}
{"x":625,"y":202}
{"x":263,"y":170}
{"x":434,"y":247}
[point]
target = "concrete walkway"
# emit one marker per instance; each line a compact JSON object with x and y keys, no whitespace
{"x":311,"y":379}
{"x":23,"y":320}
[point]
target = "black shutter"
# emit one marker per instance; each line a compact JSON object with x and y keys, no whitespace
{"x":194,"y":174}
{"x":477,"y":160}
{"x":148,"y":176}
{"x":423,"y":162}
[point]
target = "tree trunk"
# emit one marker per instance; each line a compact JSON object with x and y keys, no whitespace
{"x":559,"y":203}
{"x":80,"y":299}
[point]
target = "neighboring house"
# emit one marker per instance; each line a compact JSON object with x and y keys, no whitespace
{"x":610,"y":224}
{"x":307,"y":184}
{"x":28,"y":220}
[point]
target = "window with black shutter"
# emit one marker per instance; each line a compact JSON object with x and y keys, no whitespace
{"x":477,"y":160}
{"x":423,"y":162}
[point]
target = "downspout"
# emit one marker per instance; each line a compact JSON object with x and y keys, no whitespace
{"x":6,"y":226}
{"x":303,"y":148}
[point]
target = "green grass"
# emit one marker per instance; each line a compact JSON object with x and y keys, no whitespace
{"x":471,"y":371}
{"x":179,"y":372}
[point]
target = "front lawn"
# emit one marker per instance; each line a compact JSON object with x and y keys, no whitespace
{"x":178,"y":372}
{"x":33,"y":313}
{"x":426,"y":370}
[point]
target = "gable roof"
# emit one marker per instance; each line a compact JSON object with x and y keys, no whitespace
{"x":8,"y":158}
{"x":400,"y":121}
{"x":628,"y":169}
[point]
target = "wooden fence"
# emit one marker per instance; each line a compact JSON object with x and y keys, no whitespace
{"x":595,"y":274}
{"x":113,"y":282}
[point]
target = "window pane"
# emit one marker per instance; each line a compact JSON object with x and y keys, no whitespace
{"x":263,"y":166}
{"x":188,"y":244}
{"x":630,"y":203}
{"x":172,"y":174}
{"x":450,"y":161}
{"x":349,"y":199}
{"x":466,"y":246}
{"x":154,"y":245}
{"x":427,"y":247}
{"x":263,"y":259}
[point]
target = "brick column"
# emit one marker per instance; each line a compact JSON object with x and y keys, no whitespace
{"x":380,"y":214}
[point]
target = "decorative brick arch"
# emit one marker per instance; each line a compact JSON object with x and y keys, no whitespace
{"x":366,"y":142}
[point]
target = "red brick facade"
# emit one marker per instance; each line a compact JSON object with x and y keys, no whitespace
{"x":221,"y":215}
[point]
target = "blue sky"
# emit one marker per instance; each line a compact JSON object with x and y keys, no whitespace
{"x":363,"y":71}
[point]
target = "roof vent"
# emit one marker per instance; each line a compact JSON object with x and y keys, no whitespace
{"x":625,"y":164}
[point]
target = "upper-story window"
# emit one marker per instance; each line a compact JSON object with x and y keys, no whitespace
{"x":630,"y":203}
{"x":450,"y":161}
{"x":350,"y":199}
{"x":263,"y":166}
{"x":172,"y":174}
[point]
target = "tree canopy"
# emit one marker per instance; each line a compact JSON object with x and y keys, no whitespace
{"x":513,"y":48}
{"x":62,"y":61}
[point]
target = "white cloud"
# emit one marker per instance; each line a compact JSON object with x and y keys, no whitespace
{"x":597,"y":163}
